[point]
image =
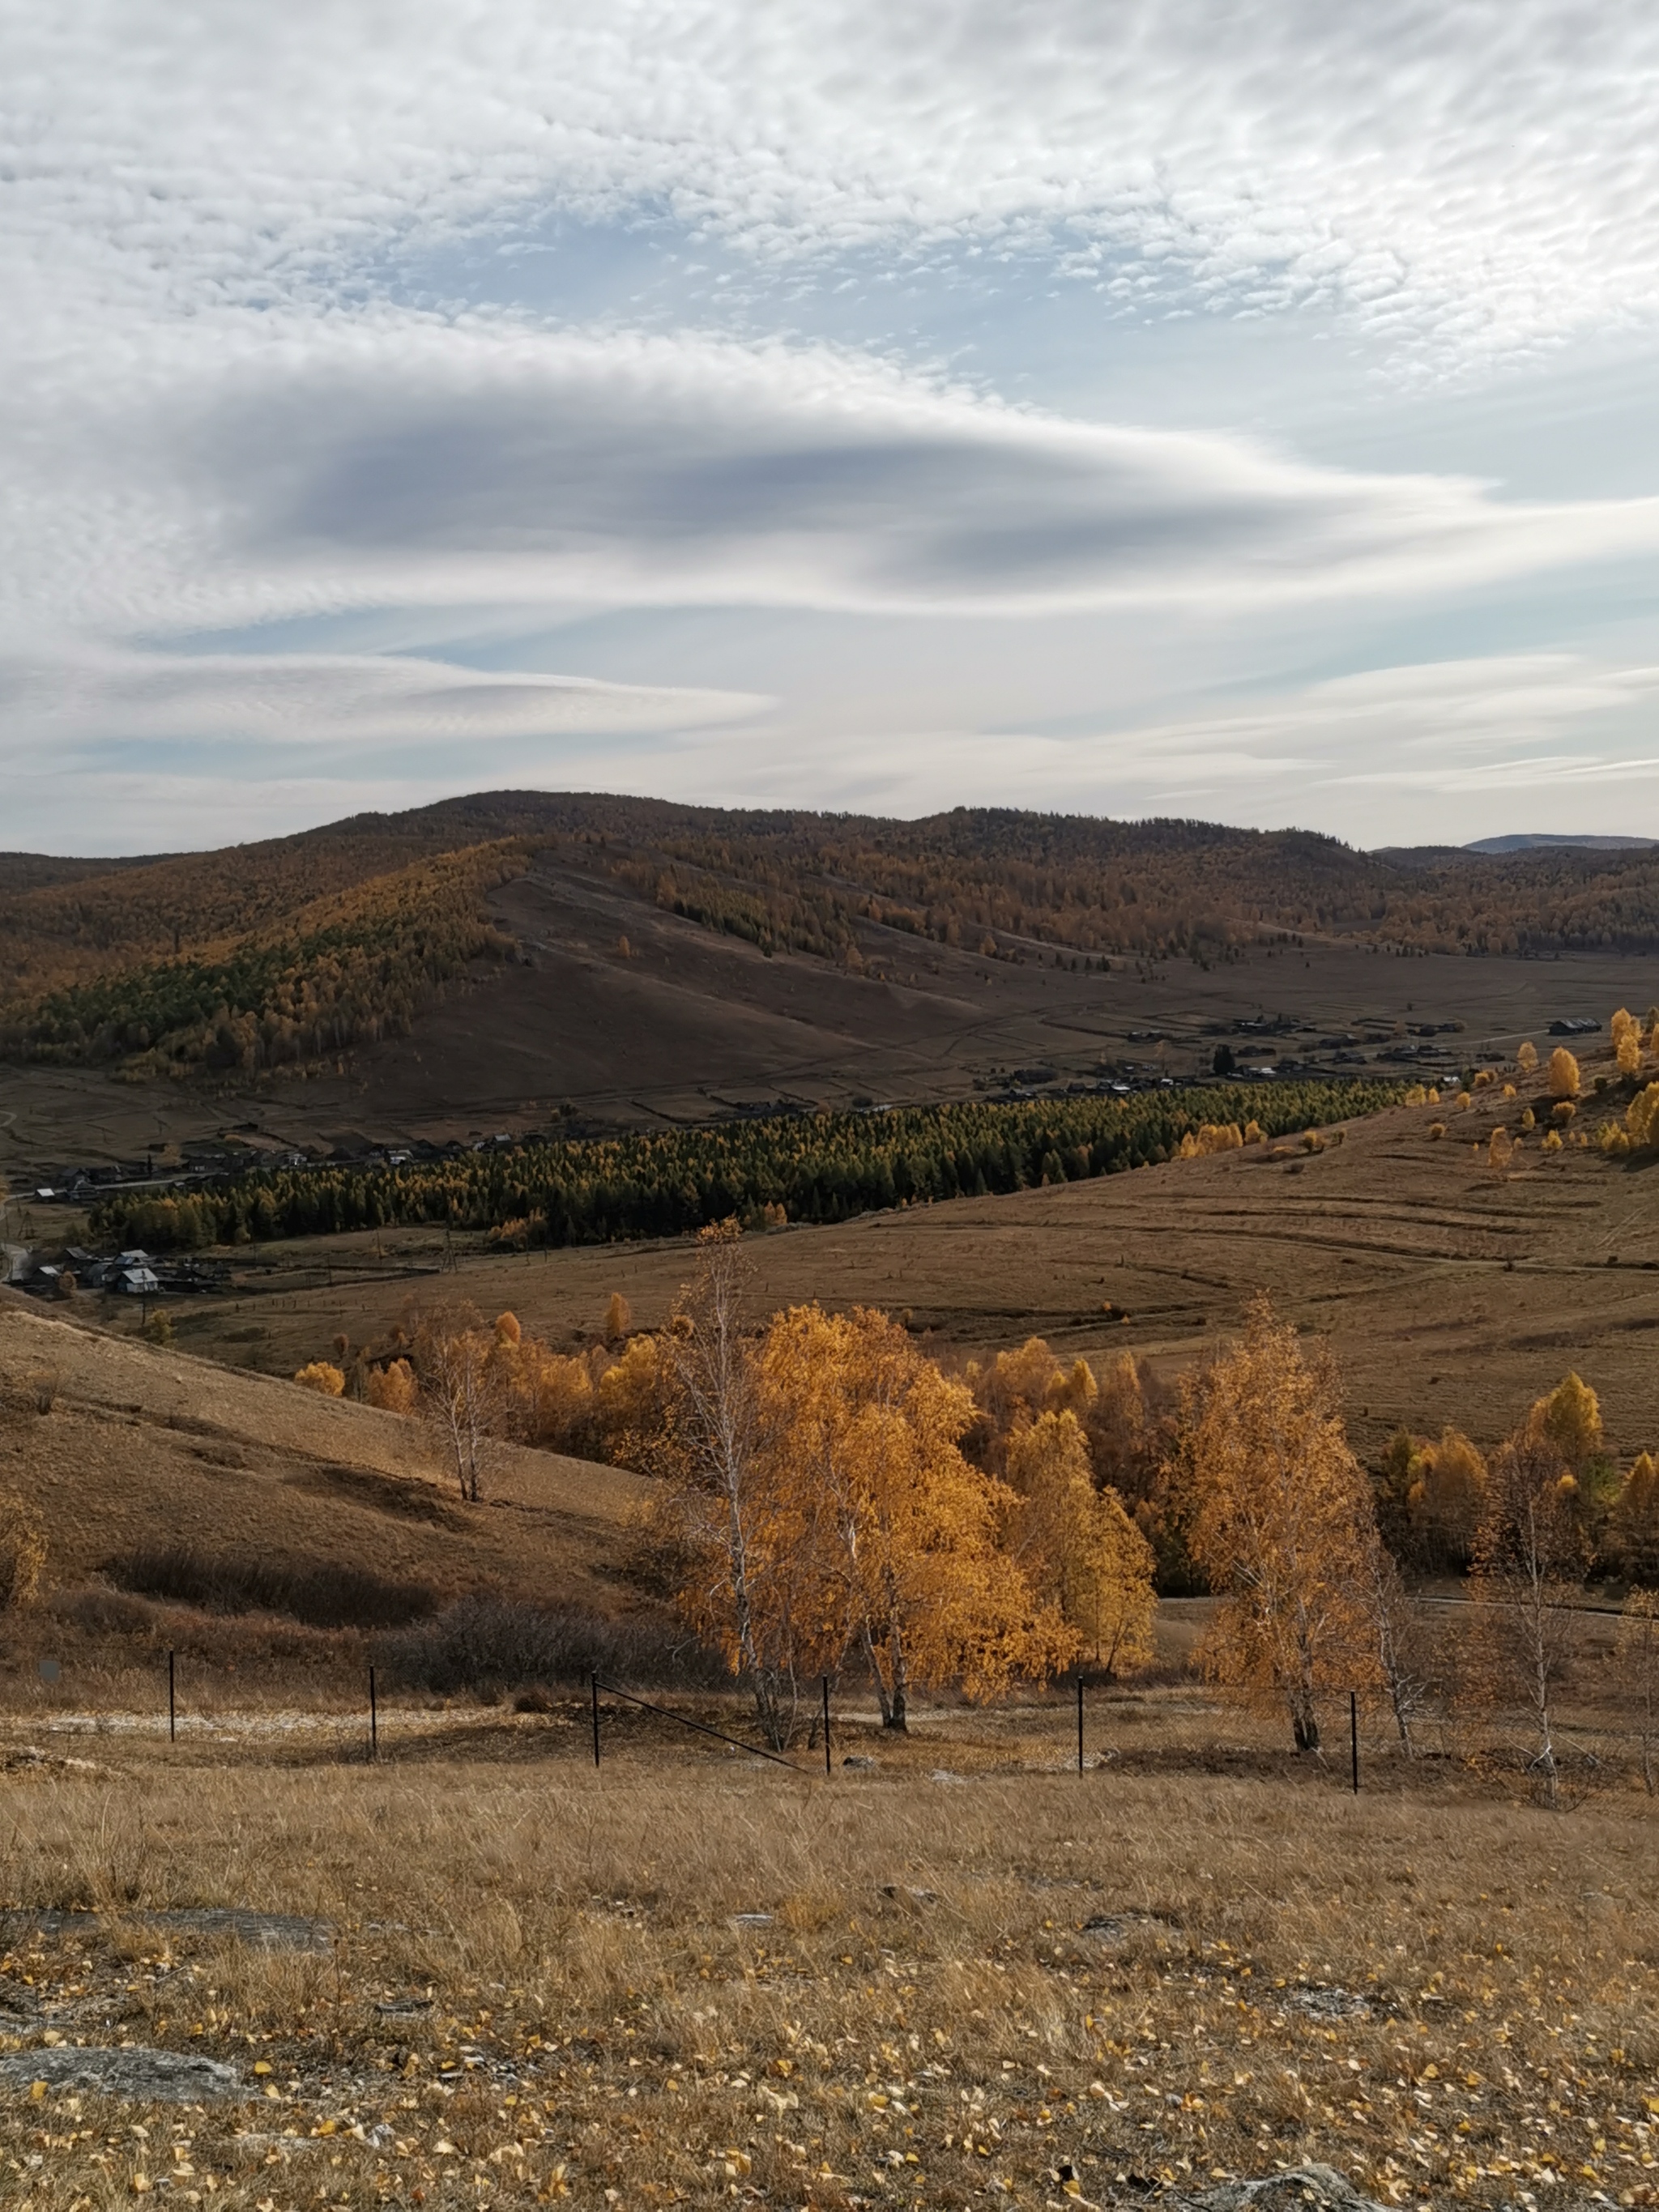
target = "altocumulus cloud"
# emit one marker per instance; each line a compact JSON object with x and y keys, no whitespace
{"x":1471,"y":179}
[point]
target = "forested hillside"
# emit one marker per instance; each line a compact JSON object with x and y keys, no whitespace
{"x":270,"y":954}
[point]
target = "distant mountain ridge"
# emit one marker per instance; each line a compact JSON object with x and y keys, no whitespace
{"x":290,"y":952}
{"x":1530,"y":841}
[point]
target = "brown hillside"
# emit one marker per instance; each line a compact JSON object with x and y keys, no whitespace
{"x":223,"y":961}
{"x":120,"y":1445}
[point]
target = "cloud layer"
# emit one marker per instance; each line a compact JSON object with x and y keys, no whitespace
{"x":1469,"y":180}
{"x":233,"y":392}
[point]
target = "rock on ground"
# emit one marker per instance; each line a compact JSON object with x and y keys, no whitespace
{"x":142,"y":2076}
{"x":1304,"y":2189}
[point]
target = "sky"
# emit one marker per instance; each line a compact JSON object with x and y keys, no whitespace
{"x":1176,"y":407}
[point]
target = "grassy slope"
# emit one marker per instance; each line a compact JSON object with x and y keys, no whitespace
{"x":146,"y":1447}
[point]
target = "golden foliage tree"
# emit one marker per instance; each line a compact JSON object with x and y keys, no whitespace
{"x":1529,"y":1561}
{"x":627,"y":1401}
{"x":1570,"y":1420}
{"x":392,"y":1388}
{"x":1527,"y":1058}
{"x":1446,"y":1498}
{"x":323,"y":1376}
{"x":897,"y":1534}
{"x":1017,"y":1389}
{"x":1633,"y":1523}
{"x":1079,"y":1550}
{"x":618,"y":1319}
{"x":23,"y":1550}
{"x":1278,"y":1517}
{"x":1561,"y":1077}
{"x":1642,"y":1120}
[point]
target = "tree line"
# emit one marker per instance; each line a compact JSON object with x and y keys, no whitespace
{"x":827,"y":1497}
{"x":810,"y":1167}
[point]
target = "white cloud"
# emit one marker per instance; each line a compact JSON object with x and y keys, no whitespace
{"x":365,"y":701}
{"x":1470,"y":182}
{"x":222,"y":405}
{"x":311,"y":466}
{"x":1418,"y":754}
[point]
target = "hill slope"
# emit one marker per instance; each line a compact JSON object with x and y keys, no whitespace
{"x":121,"y":1447}
{"x":265,"y":954}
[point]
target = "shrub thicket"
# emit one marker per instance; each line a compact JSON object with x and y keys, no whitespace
{"x":496,"y":1644}
{"x":320,"y":1593}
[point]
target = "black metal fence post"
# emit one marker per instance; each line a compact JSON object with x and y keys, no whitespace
{"x":826,"y":1723}
{"x":374,"y":1720}
{"x":596,"y":1719}
{"x":1080,"y":1723}
{"x":173,"y":1706}
{"x":1354,"y":1735}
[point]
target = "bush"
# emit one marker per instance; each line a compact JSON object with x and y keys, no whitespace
{"x":321,"y":1593}
{"x":102,"y":1612}
{"x":323,"y":1376}
{"x":494,"y":1646}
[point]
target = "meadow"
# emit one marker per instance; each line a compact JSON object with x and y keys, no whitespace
{"x":958,"y":1974}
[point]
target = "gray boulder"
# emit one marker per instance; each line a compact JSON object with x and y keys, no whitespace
{"x":176,"y":2077}
{"x":1304,"y":2189}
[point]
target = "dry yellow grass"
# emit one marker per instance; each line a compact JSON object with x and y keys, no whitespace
{"x":120,"y":1444}
{"x":537,"y":1982}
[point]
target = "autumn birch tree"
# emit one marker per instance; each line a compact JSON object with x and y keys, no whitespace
{"x":1401,"y":1648}
{"x":1530,"y":1556}
{"x":462,"y":1391}
{"x":902,"y":1531}
{"x":716,"y":1451}
{"x":1278,"y":1516}
{"x":1078,"y":1548}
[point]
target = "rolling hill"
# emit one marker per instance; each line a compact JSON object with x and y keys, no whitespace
{"x":125,"y":1450}
{"x":511,"y":959}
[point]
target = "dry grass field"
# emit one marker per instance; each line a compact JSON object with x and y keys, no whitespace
{"x":122,"y":1446}
{"x":960,"y":1975}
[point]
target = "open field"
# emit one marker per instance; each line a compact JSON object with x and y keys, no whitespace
{"x":963,"y":1976}
{"x":1447,"y":1293}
